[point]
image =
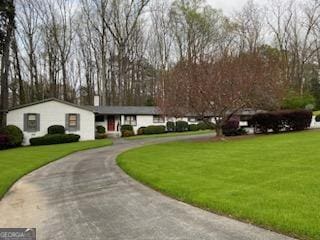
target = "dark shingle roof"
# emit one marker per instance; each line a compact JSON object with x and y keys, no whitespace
{"x":134,"y":110}
{"x":126,"y":110}
{"x":49,"y":100}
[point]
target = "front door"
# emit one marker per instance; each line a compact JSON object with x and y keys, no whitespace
{"x":111,"y":124}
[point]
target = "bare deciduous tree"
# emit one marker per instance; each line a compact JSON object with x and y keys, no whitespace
{"x":220,"y":88}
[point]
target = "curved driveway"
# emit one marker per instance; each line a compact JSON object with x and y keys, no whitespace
{"x":86,"y":196}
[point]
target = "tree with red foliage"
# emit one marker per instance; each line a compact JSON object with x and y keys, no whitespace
{"x":221,"y":88}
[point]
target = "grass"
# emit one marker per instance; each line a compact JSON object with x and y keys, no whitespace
{"x":175,"y":134}
{"x":15,"y":163}
{"x":316,"y":113}
{"x":272,"y":181}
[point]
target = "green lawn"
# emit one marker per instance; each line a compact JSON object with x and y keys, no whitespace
{"x":316,"y":113}
{"x":175,"y":134}
{"x":271,"y":181}
{"x":15,"y":163}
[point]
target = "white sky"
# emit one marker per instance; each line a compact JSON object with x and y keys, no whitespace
{"x":228,"y":6}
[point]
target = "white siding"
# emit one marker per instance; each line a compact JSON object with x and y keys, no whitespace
{"x":314,"y":124}
{"x":147,"y":120}
{"x":103,"y":123}
{"x":53,"y":113}
{"x":142,"y":121}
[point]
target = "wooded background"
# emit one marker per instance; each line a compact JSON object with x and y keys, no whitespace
{"x":123,"y":50}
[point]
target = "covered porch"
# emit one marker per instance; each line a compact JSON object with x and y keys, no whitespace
{"x":112,"y":123}
{"x":112,"y":117}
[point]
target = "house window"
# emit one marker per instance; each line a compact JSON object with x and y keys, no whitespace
{"x":99,"y":118}
{"x":32,"y":122}
{"x":130,"y":120}
{"x":73,"y":122}
{"x":192,"y":119}
{"x":245,"y":118}
{"x":158,"y":119}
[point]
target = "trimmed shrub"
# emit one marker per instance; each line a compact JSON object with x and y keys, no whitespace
{"x":4,"y":141}
{"x":154,"y":129}
{"x":204,"y":125}
{"x":171,"y":126}
{"x":285,"y":120}
{"x":318,"y":118}
{"x":231,"y":127}
{"x":126,"y":127}
{"x":100,"y":129}
{"x":14,"y":134}
{"x":242,"y":131}
{"x":193,"y":127}
{"x":56,"y":129}
{"x":141,"y":130}
{"x":54,"y":139}
{"x":182,"y":126}
{"x":297,"y":120}
{"x":127,"y":133}
{"x":265,"y":121}
{"x":101,"y":136}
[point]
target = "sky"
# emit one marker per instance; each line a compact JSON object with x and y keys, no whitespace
{"x":228,"y":6}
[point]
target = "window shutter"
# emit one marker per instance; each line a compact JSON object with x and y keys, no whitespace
{"x":67,"y":122}
{"x":78,"y":122}
{"x":38,"y":121}
{"x":25,"y":119}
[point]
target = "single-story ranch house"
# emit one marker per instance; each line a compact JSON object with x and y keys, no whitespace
{"x":35,"y":118}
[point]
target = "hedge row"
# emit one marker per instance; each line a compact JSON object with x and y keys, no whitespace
{"x":182,"y":126}
{"x":193,"y":127}
{"x":179,"y":126}
{"x":232,"y":128}
{"x":171,"y":126}
{"x":54,"y":139}
{"x":285,"y":120}
{"x":56,"y":135}
{"x":154,"y":130}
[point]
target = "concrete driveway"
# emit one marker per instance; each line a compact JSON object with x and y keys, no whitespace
{"x":87,"y":196}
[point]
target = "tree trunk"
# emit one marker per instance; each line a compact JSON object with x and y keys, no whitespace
{"x":64,"y":80}
{"x":219,"y":131}
{"x":22,"y":98}
{"x":5,"y":65}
